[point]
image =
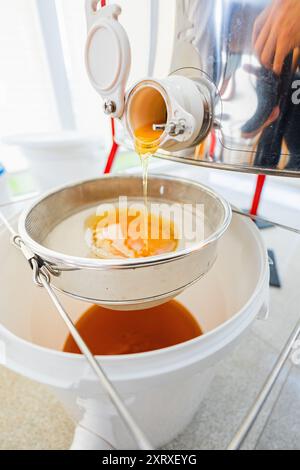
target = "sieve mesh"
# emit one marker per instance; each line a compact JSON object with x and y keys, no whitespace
{"x":58,"y":206}
{"x":133,"y":283}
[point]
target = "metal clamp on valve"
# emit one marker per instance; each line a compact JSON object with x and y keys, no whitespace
{"x":173,"y":128}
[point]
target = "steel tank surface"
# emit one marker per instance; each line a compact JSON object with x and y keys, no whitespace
{"x":241,"y":46}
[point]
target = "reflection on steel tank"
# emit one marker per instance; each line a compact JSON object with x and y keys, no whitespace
{"x":255,"y":117}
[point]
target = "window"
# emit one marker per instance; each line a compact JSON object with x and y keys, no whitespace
{"x":27,"y":101}
{"x":72,"y":21}
{"x":43,"y":84}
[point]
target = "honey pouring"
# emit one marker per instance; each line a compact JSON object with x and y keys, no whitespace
{"x":120,"y":233}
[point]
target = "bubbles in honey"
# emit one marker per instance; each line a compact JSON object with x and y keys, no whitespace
{"x":147,"y":139}
{"x":128,"y":233}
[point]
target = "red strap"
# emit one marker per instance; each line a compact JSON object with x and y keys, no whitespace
{"x":115,"y":146}
{"x":113,"y":151}
{"x":261,"y":179}
{"x":213,"y":143}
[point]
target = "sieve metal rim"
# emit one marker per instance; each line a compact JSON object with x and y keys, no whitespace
{"x":140,"y":301}
{"x":69,"y":262}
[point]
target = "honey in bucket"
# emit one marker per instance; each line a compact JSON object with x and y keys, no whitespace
{"x":109,"y":332}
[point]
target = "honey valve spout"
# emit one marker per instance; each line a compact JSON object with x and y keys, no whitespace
{"x":178,"y":108}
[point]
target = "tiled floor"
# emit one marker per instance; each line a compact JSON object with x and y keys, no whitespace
{"x":30,"y":417}
{"x":232,"y":392}
{"x":282,"y":429}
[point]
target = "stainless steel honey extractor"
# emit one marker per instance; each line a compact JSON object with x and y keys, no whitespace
{"x":250,"y":121}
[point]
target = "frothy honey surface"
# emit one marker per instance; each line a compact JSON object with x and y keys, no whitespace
{"x":124,"y":233}
{"x":109,"y":332}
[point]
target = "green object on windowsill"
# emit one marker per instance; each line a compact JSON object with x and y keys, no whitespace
{"x":21,"y":184}
{"x":125,"y":161}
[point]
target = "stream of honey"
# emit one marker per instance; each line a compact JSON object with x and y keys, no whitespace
{"x":146,"y":144}
{"x":109,"y":332}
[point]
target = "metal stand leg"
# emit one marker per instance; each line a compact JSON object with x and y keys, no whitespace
{"x":256,"y":218}
{"x":250,"y":419}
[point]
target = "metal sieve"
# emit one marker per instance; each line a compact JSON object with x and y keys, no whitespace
{"x":124,"y":284}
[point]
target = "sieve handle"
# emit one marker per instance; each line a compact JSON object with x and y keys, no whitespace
{"x":42,"y":278}
{"x":134,"y":429}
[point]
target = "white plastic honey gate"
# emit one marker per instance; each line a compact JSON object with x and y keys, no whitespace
{"x":188,"y":101}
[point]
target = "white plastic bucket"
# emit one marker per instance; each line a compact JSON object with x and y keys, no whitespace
{"x":162,"y":389}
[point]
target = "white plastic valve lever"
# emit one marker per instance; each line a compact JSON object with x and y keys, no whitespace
{"x":107,"y":56}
